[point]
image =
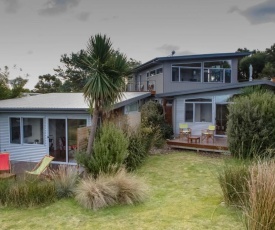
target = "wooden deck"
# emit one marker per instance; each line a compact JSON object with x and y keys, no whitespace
{"x":219,"y":145}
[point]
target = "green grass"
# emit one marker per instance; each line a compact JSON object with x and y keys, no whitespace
{"x":184,"y":194}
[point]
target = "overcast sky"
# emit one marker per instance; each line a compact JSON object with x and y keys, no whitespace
{"x":35,"y":33}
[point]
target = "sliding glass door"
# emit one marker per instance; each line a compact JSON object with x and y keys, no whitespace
{"x":62,"y":138}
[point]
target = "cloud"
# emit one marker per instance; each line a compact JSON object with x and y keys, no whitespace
{"x":11,"y":6}
{"x":83,"y":16}
{"x":30,"y":52}
{"x":261,"y":13}
{"x":55,"y":7}
{"x":110,"y":18}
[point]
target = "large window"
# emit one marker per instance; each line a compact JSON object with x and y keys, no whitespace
{"x":186,"y":72}
{"x":198,"y":110}
{"x":26,"y":130}
{"x":210,"y":71}
{"x":217,"y":71}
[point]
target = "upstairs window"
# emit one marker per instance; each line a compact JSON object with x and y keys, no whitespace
{"x":217,"y":71}
{"x":186,"y":72}
{"x":152,"y":72}
{"x":159,"y":70}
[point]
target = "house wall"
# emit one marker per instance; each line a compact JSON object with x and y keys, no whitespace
{"x":179,"y":110}
{"x":30,"y":152}
{"x":170,"y":86}
{"x":156,"y":79}
{"x":164,"y":83}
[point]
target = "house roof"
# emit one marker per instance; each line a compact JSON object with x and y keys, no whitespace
{"x":192,"y":58}
{"x":218,"y":87}
{"x":62,"y":102}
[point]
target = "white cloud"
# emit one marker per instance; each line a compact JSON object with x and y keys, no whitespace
{"x":55,"y":7}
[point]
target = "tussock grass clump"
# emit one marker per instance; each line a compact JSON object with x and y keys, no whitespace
{"x":27,"y":193}
{"x":233,"y":179}
{"x":107,"y":190}
{"x":260,"y":209}
{"x":131,"y":189}
{"x":95,"y":193}
{"x":65,"y":179}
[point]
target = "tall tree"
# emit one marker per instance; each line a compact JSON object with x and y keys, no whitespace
{"x":74,"y":71}
{"x":257,"y":60}
{"x":48,"y":84}
{"x":270,"y":52}
{"x":106,"y":70}
{"x":18,"y":85}
{"x":4,"y":80}
{"x":11,"y":88}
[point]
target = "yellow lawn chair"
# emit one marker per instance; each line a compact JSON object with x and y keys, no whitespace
{"x":208,"y":133}
{"x":184,"y":130}
{"x":41,"y":166}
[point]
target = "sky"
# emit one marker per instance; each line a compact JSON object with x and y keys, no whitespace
{"x":35,"y":33}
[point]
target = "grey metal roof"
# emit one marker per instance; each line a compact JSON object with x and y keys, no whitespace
{"x":192,"y":57}
{"x":218,"y":87}
{"x":61,"y":102}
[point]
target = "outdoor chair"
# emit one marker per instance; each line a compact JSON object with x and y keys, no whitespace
{"x":184,"y":130}
{"x":208,"y":133}
{"x":41,"y":166}
{"x":5,"y":166}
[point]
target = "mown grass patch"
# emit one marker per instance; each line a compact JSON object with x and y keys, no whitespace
{"x":184,"y":194}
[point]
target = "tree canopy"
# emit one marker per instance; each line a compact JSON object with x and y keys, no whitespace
{"x":11,"y":88}
{"x":263,"y":63}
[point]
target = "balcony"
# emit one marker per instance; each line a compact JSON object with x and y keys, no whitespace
{"x":149,"y":86}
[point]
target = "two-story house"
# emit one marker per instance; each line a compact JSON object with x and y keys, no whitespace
{"x":194,"y":89}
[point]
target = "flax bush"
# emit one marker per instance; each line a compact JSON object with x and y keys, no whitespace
{"x":251,"y":125}
{"x":109,"y":152}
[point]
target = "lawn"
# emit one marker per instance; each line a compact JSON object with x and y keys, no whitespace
{"x":184,"y":194}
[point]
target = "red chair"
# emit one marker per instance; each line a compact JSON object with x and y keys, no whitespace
{"x":5,"y":166}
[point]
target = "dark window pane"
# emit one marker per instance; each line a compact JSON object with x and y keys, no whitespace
{"x":189,"y":112}
{"x":175,"y":74}
{"x":15,"y":132}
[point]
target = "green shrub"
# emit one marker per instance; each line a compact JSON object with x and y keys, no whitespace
{"x":251,"y":125}
{"x":233,"y":181}
{"x":65,"y":179}
{"x":152,"y":116}
{"x":136,"y":151}
{"x":108,"y":190}
{"x":109,"y":152}
{"x":260,"y":208}
{"x":29,"y":192}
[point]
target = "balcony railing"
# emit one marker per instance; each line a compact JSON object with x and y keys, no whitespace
{"x":141,"y":86}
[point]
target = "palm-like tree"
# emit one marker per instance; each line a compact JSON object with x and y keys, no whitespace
{"x":106,"y":71}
